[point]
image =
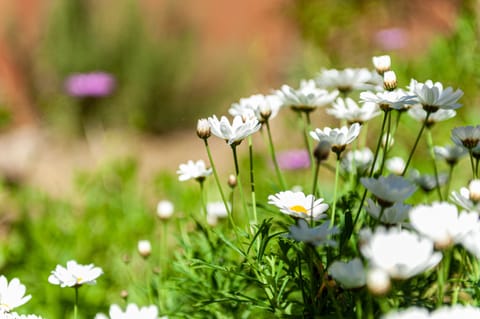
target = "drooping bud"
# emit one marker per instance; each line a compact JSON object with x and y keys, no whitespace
{"x":322,"y":151}
{"x":389,"y":81}
{"x":203,"y":129}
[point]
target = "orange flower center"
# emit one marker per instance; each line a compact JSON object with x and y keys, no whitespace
{"x":298,"y":209}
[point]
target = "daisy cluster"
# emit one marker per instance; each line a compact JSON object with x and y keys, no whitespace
{"x":388,"y":233}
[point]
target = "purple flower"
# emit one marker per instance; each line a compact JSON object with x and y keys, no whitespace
{"x":391,"y":38}
{"x":293,"y":159}
{"x":94,"y":84}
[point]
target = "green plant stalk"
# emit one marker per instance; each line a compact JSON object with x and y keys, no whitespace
{"x":337,"y":169}
{"x":75,"y":306}
{"x":442,"y":274}
{"x":306,"y":125}
{"x":239,"y":181}
{"x":450,"y":174}
{"x":271,"y":148}
{"x":435,"y":170}
{"x":470,"y":152}
{"x":314,"y":190}
{"x":252,"y":181}
{"x":202,"y":198}
{"x":217,"y":180}
{"x":387,"y":141}
{"x":416,"y":143}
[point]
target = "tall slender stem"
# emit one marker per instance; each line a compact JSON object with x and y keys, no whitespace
{"x":274,"y":157}
{"x":314,"y":189}
{"x":306,"y":125}
{"x":239,"y":180}
{"x":435,"y":170}
{"x":252,"y":180}
{"x":202,"y":198}
{"x":75,"y":306}
{"x":416,"y":143}
{"x":450,"y":174}
{"x":470,"y":152}
{"x":337,"y":168}
{"x":387,"y":141}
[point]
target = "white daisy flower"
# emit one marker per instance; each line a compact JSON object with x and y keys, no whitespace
{"x":428,"y":182}
{"x":389,"y":190}
{"x":316,"y":235}
{"x":357,"y":161}
{"x":382,"y":63}
{"x":450,"y":153}
{"x":466,"y":136}
{"x":241,"y":127}
{"x":74,"y":275}
{"x":298,"y":205}
{"x":468,"y":198}
{"x":442,"y":223}
{"x":203,"y":129}
{"x":395,"y":165}
{"x":338,"y":138}
{"x":261,"y":105}
{"x":396,"y":99}
{"x":456,"y":311}
{"x":399,"y":253}
{"x":347,"y":109}
{"x":395,"y":214}
{"x":471,"y":242}
{"x":349,"y":274}
{"x":349,"y":79}
{"x":433,"y":96}
{"x":410,"y":313}
{"x":193,"y":170}
{"x":165,"y":209}
{"x":144,"y":248}
{"x":216,"y":211}
{"x":419,"y":114}
{"x":12,"y":294}
{"x":307,"y":98}
{"x":131,"y":312}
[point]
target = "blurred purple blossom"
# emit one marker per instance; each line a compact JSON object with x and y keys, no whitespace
{"x":94,"y":84}
{"x":391,"y":38}
{"x":293,"y":159}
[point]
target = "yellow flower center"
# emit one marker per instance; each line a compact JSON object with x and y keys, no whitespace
{"x":298,"y":209}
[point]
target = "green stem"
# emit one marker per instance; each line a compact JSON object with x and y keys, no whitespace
{"x":75,"y":306}
{"x":217,"y":180}
{"x":239,"y":180}
{"x":435,"y":170}
{"x":416,"y":142}
{"x":337,"y":168}
{"x":306,"y":125}
{"x":314,"y":189}
{"x":202,"y":198}
{"x":450,"y":174}
{"x":274,"y":158}
{"x":387,"y":141}
{"x":252,"y":181}
{"x":471,"y":162}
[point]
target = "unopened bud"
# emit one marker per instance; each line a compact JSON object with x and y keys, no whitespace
{"x":389,"y":81}
{"x":165,"y":209}
{"x":474,"y":189}
{"x":203,"y":129}
{"x":124,"y":294}
{"x":382,"y":63}
{"x":378,"y":282}
{"x":144,"y":248}
{"x":322,"y":151}
{"x":232,"y":181}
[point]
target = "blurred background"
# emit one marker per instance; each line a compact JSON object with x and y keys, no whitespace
{"x":81,"y":79}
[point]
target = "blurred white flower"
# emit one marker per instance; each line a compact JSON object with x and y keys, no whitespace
{"x":450,"y":153}
{"x":347,"y":109}
{"x":193,"y":170}
{"x":296,"y":204}
{"x":15,"y":315}
{"x":466,"y":136}
{"x":399,"y":253}
{"x":395,"y":214}
{"x":165,"y":209}
{"x":468,"y":198}
{"x":445,"y":312}
{"x":144,"y":248}
{"x":307,"y":98}
{"x":419,"y":114}
{"x":357,"y":161}
{"x":410,"y":313}
{"x":382,"y":63}
{"x":12,"y":294}
{"x":259,"y":104}
{"x":471,"y":242}
{"x":442,"y":223}
{"x":397,"y":99}
{"x":349,"y":79}
{"x":349,"y":274}
{"x":316,"y":236}
{"x":241,"y":127}
{"x":203,"y":129}
{"x":74,"y":275}
{"x":378,"y":281}
{"x":395,"y":165}
{"x":389,"y":190}
{"x":428,"y":182}
{"x":433,"y":96}
{"x":338,"y":138}
{"x":131,"y":312}
{"x":216,"y":211}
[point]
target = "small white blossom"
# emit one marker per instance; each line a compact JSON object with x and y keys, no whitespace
{"x":144,"y":248}
{"x":338,"y":138}
{"x":357,"y":161}
{"x":382,"y":63}
{"x":216,"y":211}
{"x":74,"y":275}
{"x":349,"y":79}
{"x":307,"y":98}
{"x":397,"y":99}
{"x":298,"y":205}
{"x":395,"y":214}
{"x":350,"y":274}
{"x":131,"y":312}
{"x":378,"y":281}
{"x":235,"y":133}
{"x":347,"y":109}
{"x":259,"y":104}
{"x":433,"y":96}
{"x":450,"y":153}
{"x":316,"y":235}
{"x":165,"y":209}
{"x":193,"y":170}
{"x":12,"y":294}
{"x":390,"y":189}
{"x":468,"y":198}
{"x":466,"y":136}
{"x":419,"y":114}
{"x":395,"y":165}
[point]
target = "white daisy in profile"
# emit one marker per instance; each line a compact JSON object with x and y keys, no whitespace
{"x":389,"y":190}
{"x":347,"y":109}
{"x":395,"y":214}
{"x":12,"y":294}
{"x":442,"y":223}
{"x":263,"y":106}
{"x":338,"y":138}
{"x":395,"y":165}
{"x":315,"y":236}
{"x":386,"y":100}
{"x":432,"y":96}
{"x":357,"y":161}
{"x":468,"y":197}
{"x":307,"y":98}
{"x":299,"y":205}
{"x":450,"y":153}
{"x":466,"y":136}
{"x":75,"y":275}
{"x":349,"y":79}
{"x":382,"y":63}
{"x":132,"y":311}
{"x":349,"y":274}
{"x":193,"y":170}
{"x":235,"y":133}
{"x":399,"y":253}
{"x":419,"y":114}
{"x":428,"y":182}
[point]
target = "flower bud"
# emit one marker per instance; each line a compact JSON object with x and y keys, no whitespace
{"x":124,"y":294}
{"x":378,"y":281}
{"x":474,"y":189}
{"x":232,"y":181}
{"x":382,"y":63}
{"x":322,"y":151}
{"x":389,"y":81}
{"x":144,"y":248}
{"x":165,"y":209}
{"x":265,"y":111}
{"x":203,"y":129}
